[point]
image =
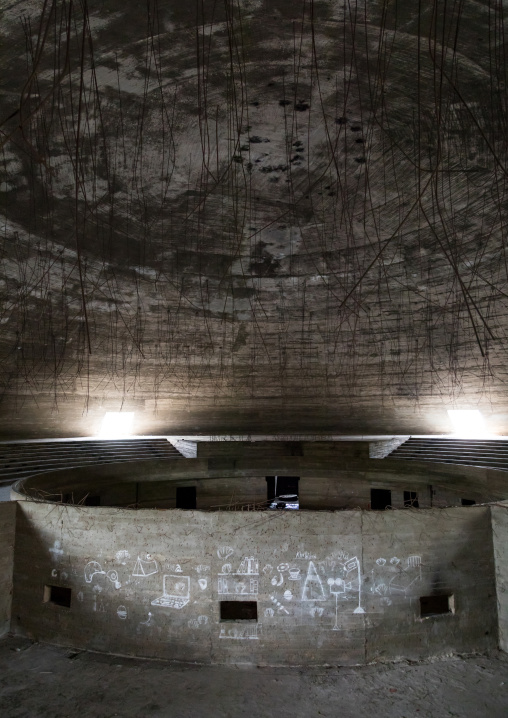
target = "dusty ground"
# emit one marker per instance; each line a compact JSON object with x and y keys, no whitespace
{"x":38,"y":680}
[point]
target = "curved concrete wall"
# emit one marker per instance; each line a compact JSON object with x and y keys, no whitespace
{"x":330,"y":588}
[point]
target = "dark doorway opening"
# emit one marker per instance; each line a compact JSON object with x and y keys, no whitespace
{"x":185,"y":497}
{"x":411,"y":499}
{"x":380,"y":499}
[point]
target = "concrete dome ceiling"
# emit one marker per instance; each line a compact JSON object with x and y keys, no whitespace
{"x":253,"y":216}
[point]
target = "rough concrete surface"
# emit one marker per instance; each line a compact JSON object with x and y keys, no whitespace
{"x":152,"y":584}
{"x":45,"y":681}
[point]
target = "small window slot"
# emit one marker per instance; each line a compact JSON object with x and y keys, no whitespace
{"x":411,"y":499}
{"x":238,"y":611}
{"x":186,"y":497}
{"x":468,"y":502}
{"x":380,"y":499}
{"x":436,"y":605}
{"x":58,"y":595}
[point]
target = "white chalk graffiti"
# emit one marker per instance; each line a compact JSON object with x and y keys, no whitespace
{"x":176,"y":592}
{"x":145,"y":567}
{"x":98,"y":605}
{"x":235,"y":585}
{"x":396,"y":578}
{"x":313,"y":586}
{"x":238,"y":632}
{"x":305,"y":555}
{"x":56,"y":550}
{"x":349,"y":581}
{"x":203,"y":583}
{"x":269,"y":612}
{"x":279,"y":605}
{"x":224,"y":552}
{"x":121,"y":612}
{"x":316,"y":611}
{"x":80,"y":596}
{"x":380,"y":561}
{"x":149,"y":621}
{"x":267,"y":569}
{"x":197,"y":622}
{"x":294,"y":574}
{"x":407,"y":577}
{"x":91,"y":568}
{"x":242,"y":582}
{"x":122,"y":557}
{"x":202,"y":568}
{"x":288,"y":595}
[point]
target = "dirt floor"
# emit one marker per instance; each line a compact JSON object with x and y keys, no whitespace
{"x":39,"y":680}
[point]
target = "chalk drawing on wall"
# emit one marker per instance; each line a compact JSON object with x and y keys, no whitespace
{"x":242,"y":582}
{"x":380,"y":561}
{"x":316,"y":611}
{"x":54,"y":573}
{"x":337,"y":586}
{"x":176,"y":592}
{"x":238,"y":632}
{"x":145,"y":567}
{"x":203,"y":583}
{"x":56,"y":550}
{"x":178,"y":568}
{"x":279,"y":605}
{"x":279,"y":581}
{"x":202,"y":568}
{"x":121,"y":612}
{"x":238,"y":586}
{"x":395,"y":561}
{"x":269,"y":612}
{"x":414,"y":561}
{"x":81,"y":596}
{"x":313,"y":586}
{"x":94,"y":568}
{"x":268,"y":568}
{"x":149,"y":621}
{"x":288,"y":595}
{"x":294,"y":574}
{"x":98,"y":604}
{"x":407,"y":577}
{"x":224,"y":552}
{"x":122,"y":556}
{"x":197,"y":622}
{"x":91,"y":568}
{"x":248,"y":567}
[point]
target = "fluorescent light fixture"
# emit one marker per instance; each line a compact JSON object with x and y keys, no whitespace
{"x":468,"y":424}
{"x":117,"y":423}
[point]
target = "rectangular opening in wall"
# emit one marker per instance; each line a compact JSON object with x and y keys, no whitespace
{"x":468,"y":502}
{"x":186,"y":497}
{"x":411,"y":499}
{"x":92,"y":501}
{"x":59,"y":595}
{"x":238,"y":611}
{"x":436,"y":605}
{"x":380,"y":499}
{"x":282,"y":492}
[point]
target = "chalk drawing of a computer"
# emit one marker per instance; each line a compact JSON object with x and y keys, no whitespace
{"x":176,"y":592}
